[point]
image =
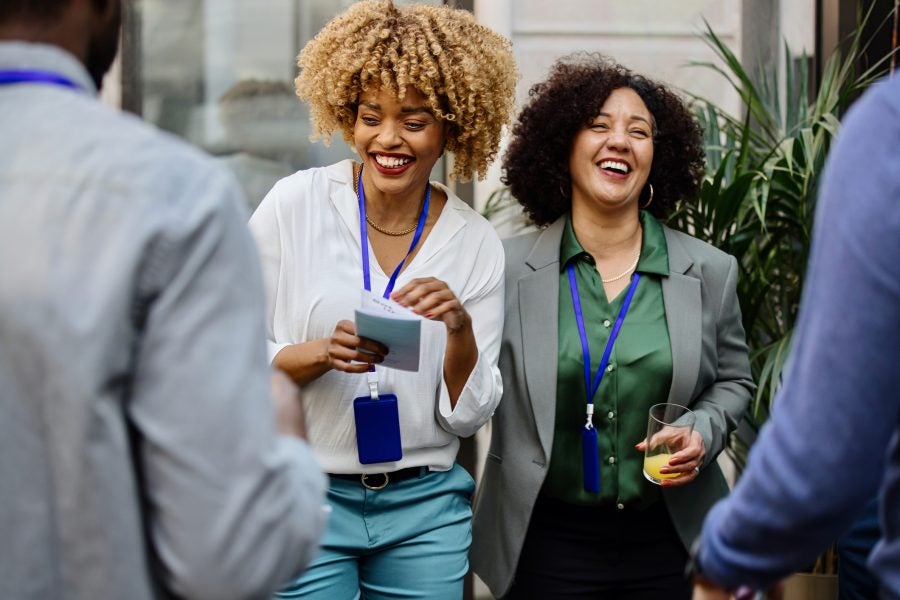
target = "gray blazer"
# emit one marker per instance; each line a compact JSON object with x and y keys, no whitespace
{"x":710,"y":373}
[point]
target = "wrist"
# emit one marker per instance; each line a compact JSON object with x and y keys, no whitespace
{"x":709,"y":588}
{"x":322,"y":356}
{"x":462,"y":328}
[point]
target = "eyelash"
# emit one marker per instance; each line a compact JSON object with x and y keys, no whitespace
{"x":411,"y":125}
{"x":605,"y":127}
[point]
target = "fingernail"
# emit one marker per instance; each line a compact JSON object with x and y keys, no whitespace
{"x":428,"y":315}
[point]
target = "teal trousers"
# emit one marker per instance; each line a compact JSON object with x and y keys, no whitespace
{"x":408,"y":540}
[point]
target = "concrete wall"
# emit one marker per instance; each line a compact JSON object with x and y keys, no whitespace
{"x":657,"y":38}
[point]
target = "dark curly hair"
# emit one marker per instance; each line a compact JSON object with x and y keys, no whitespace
{"x":536,"y":165}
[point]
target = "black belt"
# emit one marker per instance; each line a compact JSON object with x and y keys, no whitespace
{"x":379,"y":481}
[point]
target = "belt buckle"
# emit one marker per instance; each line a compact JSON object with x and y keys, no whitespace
{"x":369,"y":486}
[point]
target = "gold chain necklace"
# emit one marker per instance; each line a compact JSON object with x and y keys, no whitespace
{"x":623,"y":273}
{"x":375,"y":225}
{"x":378,"y":227}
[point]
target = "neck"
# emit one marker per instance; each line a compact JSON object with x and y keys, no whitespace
{"x":607,"y":235}
{"x":392,"y":211}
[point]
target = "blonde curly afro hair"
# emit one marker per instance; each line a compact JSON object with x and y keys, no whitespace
{"x":465,"y":72}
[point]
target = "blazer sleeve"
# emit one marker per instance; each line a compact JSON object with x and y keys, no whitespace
{"x":720,"y":405}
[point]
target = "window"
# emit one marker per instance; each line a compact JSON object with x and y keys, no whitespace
{"x":219,"y":73}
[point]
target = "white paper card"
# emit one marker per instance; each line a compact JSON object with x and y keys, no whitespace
{"x":396,"y":327}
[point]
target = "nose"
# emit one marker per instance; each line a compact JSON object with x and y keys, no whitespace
{"x":389,"y":135}
{"x":618,"y":140}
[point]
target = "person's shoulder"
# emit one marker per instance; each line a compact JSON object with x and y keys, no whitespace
{"x":295,"y":189}
{"x":336,"y":174}
{"x":881,"y":100}
{"x":681,"y":244}
{"x":137,"y":142}
{"x":476,"y":225}
{"x":540,"y":246}
{"x":518,"y":247}
{"x":149,"y":163}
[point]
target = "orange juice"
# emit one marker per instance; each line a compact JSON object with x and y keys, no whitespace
{"x":652,"y":465}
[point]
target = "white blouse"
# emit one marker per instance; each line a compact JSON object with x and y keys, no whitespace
{"x":307,"y":230}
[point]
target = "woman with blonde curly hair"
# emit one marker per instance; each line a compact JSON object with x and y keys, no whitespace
{"x":402,"y":84}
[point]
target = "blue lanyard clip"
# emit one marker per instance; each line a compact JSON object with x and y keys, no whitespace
{"x":590,"y":416}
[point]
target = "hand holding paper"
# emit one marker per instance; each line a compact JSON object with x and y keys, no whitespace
{"x":390,"y":324}
{"x":433,"y":299}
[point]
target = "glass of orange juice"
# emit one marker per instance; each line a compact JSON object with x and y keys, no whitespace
{"x":669,"y":428}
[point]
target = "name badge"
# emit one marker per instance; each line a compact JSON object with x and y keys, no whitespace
{"x":377,"y":429}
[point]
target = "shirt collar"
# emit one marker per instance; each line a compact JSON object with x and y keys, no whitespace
{"x":654,"y":251}
{"x":45,"y":57}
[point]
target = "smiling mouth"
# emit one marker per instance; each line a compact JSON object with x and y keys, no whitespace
{"x":615,"y":166}
{"x":391,"y":162}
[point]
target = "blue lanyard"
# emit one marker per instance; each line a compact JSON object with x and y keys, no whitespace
{"x":364,"y":236}
{"x":12,"y":77}
{"x":585,"y":349}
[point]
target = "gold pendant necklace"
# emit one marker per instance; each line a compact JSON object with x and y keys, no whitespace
{"x":375,"y":225}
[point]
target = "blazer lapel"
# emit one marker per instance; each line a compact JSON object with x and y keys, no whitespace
{"x":538,"y":312}
{"x":681,"y":296}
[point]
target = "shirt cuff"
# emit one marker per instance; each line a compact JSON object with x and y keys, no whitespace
{"x":711,"y":555}
{"x":476,"y":403}
{"x":273,"y":348}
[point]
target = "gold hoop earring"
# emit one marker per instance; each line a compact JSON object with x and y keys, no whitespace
{"x":650,"y":199}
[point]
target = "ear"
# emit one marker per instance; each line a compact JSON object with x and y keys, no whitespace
{"x":107,"y":13}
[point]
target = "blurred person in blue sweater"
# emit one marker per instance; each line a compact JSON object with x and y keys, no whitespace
{"x":834,"y":437}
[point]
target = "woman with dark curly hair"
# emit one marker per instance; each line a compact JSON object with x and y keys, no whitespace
{"x":608,"y":312}
{"x":402,"y":84}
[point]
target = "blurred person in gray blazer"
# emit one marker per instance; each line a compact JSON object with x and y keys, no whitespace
{"x":597,"y":156}
{"x":143,"y":450}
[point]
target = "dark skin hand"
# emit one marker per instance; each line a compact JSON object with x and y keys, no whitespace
{"x":434,"y":300}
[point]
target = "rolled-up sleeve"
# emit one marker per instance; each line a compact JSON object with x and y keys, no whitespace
{"x":484,"y":387}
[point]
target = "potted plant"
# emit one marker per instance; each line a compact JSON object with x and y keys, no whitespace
{"x":758,"y":202}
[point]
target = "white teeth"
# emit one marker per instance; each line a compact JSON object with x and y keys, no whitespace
{"x":615,"y":165}
{"x":391,"y":162}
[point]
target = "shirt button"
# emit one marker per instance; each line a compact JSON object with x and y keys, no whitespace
{"x":610,"y":368}
{"x":620,"y":506}
{"x":612,"y":460}
{"x":610,"y":415}
{"x":606,"y":323}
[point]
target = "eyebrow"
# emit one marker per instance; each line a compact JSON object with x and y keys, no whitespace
{"x":403,"y":109}
{"x":632,"y":117}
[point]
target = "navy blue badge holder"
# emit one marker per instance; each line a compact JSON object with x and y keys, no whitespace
{"x":377,"y":429}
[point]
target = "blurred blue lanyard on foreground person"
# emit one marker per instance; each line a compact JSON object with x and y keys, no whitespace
{"x":139,"y":455}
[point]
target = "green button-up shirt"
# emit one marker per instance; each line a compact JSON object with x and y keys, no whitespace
{"x":639,"y":374}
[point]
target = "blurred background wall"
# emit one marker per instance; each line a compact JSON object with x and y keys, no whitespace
{"x":219,"y":72}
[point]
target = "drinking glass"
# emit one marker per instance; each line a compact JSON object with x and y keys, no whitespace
{"x":669,"y":428}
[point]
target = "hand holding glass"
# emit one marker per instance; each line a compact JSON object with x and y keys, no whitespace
{"x":669,"y":429}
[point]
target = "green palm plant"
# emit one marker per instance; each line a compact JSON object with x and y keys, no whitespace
{"x":757,"y":201}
